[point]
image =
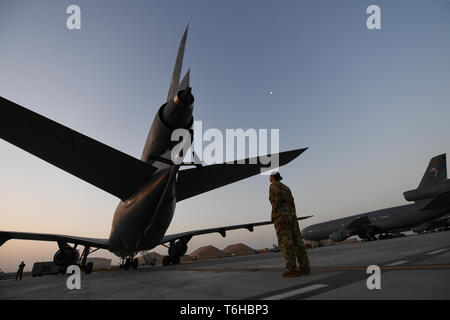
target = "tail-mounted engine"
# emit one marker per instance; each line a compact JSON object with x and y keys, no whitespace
{"x":176,"y":114}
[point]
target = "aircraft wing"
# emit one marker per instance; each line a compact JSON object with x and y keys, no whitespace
{"x":441,"y":200}
{"x":195,"y":181}
{"x":106,"y":168}
{"x":90,"y":242}
{"x":358,"y":223}
{"x":221,"y":230}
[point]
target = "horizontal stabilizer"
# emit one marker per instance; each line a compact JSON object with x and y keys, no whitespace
{"x":106,"y":168}
{"x":195,"y":181}
{"x":440,"y":201}
{"x":221,"y":230}
{"x":89,"y":242}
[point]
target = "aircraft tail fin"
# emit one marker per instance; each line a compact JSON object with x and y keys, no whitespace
{"x":435,"y":172}
{"x":175,"y":81}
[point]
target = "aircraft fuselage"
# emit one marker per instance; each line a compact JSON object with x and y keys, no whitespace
{"x":140,"y":222}
{"x":395,"y":219}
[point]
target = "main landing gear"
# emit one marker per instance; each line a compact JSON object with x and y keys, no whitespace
{"x":385,"y":236}
{"x":86,"y":267}
{"x":367,"y":236}
{"x":129,"y":263}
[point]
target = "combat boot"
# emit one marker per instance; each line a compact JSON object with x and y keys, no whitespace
{"x":304,"y":271}
{"x":291,"y":274}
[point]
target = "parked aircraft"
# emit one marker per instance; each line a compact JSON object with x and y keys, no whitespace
{"x":431,"y":201}
{"x":149,"y":188}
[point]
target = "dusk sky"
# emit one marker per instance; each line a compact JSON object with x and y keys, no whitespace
{"x":373,"y":106}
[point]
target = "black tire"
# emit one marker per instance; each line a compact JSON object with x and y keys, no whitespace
{"x":175,"y":260}
{"x":135,"y":263}
{"x":88,"y":268}
{"x":166,"y":261}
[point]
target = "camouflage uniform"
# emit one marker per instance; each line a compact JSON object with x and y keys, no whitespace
{"x":286,"y":225}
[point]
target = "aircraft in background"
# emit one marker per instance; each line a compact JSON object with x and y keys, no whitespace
{"x":149,"y":188}
{"x":431,"y":201}
{"x":440,"y":224}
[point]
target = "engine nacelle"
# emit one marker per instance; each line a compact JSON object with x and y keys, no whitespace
{"x":178,"y":249}
{"x":420,"y":228}
{"x":338,"y":236}
{"x":176,"y":114}
{"x":66,"y":256}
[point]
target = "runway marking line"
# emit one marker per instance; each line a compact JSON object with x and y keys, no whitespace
{"x":387,"y":267}
{"x":437,"y":251}
{"x":288,"y":294}
{"x":395,"y":263}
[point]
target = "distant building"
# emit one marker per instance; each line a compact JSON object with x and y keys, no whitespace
{"x":238,"y":249}
{"x":46,"y":268}
{"x":186,"y":258}
{"x":207,"y":252}
{"x":100,"y":263}
{"x":311,"y":244}
{"x":152,"y":258}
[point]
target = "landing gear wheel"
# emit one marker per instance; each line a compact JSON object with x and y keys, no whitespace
{"x":166,"y":261}
{"x":127,"y":264}
{"x":135,"y":263}
{"x":88,"y":268}
{"x":175,"y":260}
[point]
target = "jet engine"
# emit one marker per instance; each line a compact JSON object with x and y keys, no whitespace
{"x":338,"y":236}
{"x":178,"y":113}
{"x":420,"y":228}
{"x":66,"y":255}
{"x":175,"y":114}
{"x":178,"y":249}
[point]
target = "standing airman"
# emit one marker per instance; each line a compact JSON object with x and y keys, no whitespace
{"x":285,"y":221}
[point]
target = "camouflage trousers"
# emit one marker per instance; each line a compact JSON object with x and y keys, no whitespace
{"x":291,"y":244}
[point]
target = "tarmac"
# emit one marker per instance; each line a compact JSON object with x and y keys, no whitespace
{"x":412,"y":267}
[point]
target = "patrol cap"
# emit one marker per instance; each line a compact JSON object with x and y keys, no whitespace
{"x":276,"y":175}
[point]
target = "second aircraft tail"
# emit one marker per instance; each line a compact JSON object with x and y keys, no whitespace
{"x":435,"y":172}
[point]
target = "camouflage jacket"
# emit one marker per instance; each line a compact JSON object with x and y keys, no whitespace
{"x":280,"y":197}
